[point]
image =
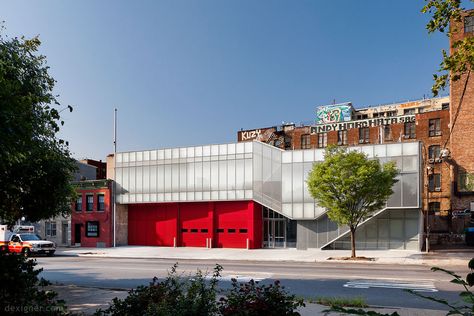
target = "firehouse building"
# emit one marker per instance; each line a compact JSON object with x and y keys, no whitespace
{"x":253,"y":193}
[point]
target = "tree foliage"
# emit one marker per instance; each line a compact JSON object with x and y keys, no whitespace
{"x":35,"y":166}
{"x":22,"y":292}
{"x":446,"y":17}
{"x":350,"y":186}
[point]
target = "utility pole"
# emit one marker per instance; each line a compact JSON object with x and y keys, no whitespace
{"x":114,"y":188}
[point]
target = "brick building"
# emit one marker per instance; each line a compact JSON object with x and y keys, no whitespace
{"x":426,"y":121}
{"x":461,"y":142}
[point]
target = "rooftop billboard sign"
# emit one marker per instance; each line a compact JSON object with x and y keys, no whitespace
{"x":341,"y":126}
{"x":334,"y":113}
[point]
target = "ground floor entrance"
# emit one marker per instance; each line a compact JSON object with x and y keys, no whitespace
{"x":278,"y":231}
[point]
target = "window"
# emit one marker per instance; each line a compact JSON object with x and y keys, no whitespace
{"x":392,"y":113}
{"x":204,"y":230}
{"x":287,"y":143}
{"x":409,"y":130}
{"x":79,"y":203}
{"x":231,"y":230}
{"x":92,"y":229}
{"x":89,"y":203}
{"x":408,"y":111}
{"x":387,"y":132}
{"x":469,"y":24}
{"x":322,"y":140}
{"x":220,"y":230}
{"x":305,"y":141}
{"x":434,"y":182}
{"x":364,"y":135}
{"x":342,"y":137}
{"x":184,"y":230}
{"x":194,"y":230}
{"x":50,"y":229}
{"x":434,"y":127}
{"x":361,"y":116}
{"x":433,"y":207}
{"x":100,"y":202}
{"x":380,"y":114}
{"x":433,"y":152}
{"x":465,"y":181}
{"x":445,"y":106}
{"x":243,"y":230}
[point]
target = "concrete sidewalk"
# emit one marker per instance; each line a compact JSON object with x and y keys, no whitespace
{"x":441,"y":258}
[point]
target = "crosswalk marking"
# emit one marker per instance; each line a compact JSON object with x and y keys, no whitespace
{"x":239,"y":278}
{"x":423,"y":286}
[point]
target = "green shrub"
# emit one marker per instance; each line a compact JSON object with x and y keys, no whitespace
{"x":247,"y":299}
{"x":22,"y":292}
{"x":184,"y":296}
{"x":176,"y":295}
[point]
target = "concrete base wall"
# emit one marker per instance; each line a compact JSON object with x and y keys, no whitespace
{"x":392,"y":229}
{"x":121,"y":224}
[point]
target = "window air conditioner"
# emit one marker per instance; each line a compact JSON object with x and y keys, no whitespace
{"x":437,"y":189}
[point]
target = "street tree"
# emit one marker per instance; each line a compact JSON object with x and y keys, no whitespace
{"x":35,"y":165}
{"x":446,"y":17}
{"x":351,"y":187}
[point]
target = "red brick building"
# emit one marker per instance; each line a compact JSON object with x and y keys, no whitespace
{"x":461,"y":142}
{"x":91,"y":216}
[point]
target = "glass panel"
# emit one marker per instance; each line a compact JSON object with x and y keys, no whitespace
{"x":190,"y":176}
{"x":161,"y":178}
{"x":206,"y":176}
{"x":297,"y":182}
{"x":410,"y":163}
{"x":368,"y":150}
{"x":231,"y":175}
{"x":286,"y":183}
{"x":240,"y":173}
{"x":297,"y":156}
{"x":167,"y":178}
{"x":146,"y":179}
{"x":286,"y":157}
{"x":380,"y":150}
{"x":410,"y":189}
{"x":395,"y":199}
{"x":153,"y":179}
{"x":198,"y":176}
{"x":248,"y":174}
{"x":190,"y":152}
{"x":308,"y":155}
{"x":214,"y":175}
{"x":182,"y":177}
{"x":132,"y":180}
{"x":394,"y":150}
{"x":307,"y":167}
{"x":410,"y":148}
{"x":222,"y":175}
{"x":175,"y":178}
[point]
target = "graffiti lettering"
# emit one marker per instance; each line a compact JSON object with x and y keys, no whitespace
{"x":324,"y":128}
{"x":247,"y":135}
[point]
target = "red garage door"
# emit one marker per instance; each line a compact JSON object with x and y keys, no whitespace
{"x":195,"y":224}
{"x":152,"y":224}
{"x":232,"y":220}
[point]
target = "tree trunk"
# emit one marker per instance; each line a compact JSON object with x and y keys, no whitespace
{"x":353,"y":243}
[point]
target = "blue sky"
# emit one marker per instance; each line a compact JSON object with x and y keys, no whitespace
{"x":195,"y":72}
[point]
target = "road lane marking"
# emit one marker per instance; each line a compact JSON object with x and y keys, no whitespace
{"x":416,"y":287}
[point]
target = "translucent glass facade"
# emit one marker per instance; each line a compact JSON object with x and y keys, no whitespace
{"x":249,"y":171}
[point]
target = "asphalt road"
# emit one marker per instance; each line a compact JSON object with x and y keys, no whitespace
{"x":381,"y":285}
